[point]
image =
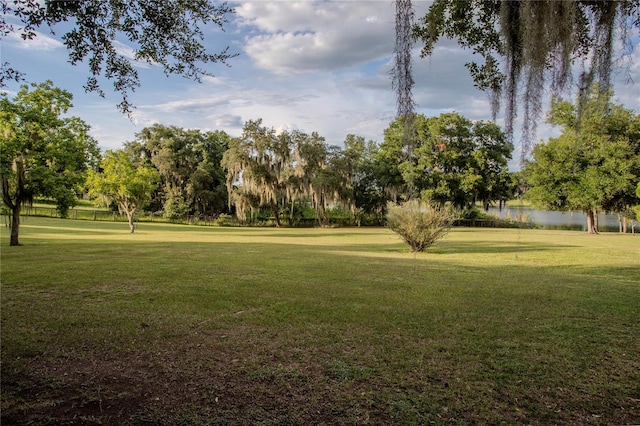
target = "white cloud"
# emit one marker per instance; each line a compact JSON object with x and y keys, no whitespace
{"x":186,"y":106}
{"x":129,"y":53}
{"x":218,"y":81}
{"x":286,"y":16}
{"x":40,"y":42}
{"x":298,"y":37}
{"x":141,"y":118}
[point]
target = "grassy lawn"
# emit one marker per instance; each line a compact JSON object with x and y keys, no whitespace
{"x":207,"y":325}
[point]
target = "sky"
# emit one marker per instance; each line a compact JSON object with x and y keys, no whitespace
{"x":319,"y":66}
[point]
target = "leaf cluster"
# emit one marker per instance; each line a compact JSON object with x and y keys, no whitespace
{"x":169,"y":33}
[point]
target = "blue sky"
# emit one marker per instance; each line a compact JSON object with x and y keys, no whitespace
{"x":310,"y":65}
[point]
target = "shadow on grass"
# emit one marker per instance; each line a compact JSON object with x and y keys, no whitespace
{"x":320,"y":233}
{"x":446,"y":247}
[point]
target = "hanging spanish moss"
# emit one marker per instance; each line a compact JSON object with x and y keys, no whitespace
{"x":537,"y":42}
{"x":403,"y":76}
{"x":402,"y":69}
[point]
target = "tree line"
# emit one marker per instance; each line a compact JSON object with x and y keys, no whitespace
{"x":593,"y":166}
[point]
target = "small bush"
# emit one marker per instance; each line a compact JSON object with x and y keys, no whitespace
{"x":225,"y":220}
{"x":419,"y":223}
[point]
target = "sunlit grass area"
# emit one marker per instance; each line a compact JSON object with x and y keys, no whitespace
{"x":180,"y":324}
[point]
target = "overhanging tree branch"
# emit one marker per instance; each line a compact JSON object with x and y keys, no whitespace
{"x":168,"y":33}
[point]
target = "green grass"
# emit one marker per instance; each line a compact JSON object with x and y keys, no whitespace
{"x":210,"y":325}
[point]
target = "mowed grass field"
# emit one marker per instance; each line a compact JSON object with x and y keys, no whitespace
{"x":202,"y":325}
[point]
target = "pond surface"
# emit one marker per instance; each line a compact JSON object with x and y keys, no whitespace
{"x":557,"y":220}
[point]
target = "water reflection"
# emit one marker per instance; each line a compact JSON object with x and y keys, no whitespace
{"x":556,"y":220}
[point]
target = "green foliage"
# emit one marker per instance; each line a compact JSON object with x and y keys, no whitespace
{"x":419,"y":223}
{"x":42,"y":152}
{"x":455,"y":160}
{"x":311,"y":176}
{"x":125,"y":183}
{"x":175,"y":207}
{"x":593,"y":166}
{"x":168,"y":33}
{"x":391,"y":162}
{"x":366,"y":193}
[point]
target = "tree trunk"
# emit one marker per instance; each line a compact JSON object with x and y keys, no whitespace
{"x":316,"y":209}
{"x":592,"y":221}
{"x":131,"y":225}
{"x":15,"y":225}
{"x":274,"y":210}
{"x":620,"y":225}
{"x":325,"y":216}
{"x":291,"y":214}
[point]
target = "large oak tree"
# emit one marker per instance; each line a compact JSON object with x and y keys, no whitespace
{"x":455,"y":161}
{"x":42,"y":152}
{"x":261,"y":160}
{"x":593,"y":166}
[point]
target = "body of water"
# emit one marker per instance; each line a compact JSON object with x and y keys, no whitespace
{"x":558,"y":220}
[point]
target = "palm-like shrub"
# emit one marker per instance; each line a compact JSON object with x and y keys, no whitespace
{"x":419,"y":223}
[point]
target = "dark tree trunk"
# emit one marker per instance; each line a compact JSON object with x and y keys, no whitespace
{"x":317,"y":211}
{"x":592,"y":221}
{"x":15,"y":225}
{"x":325,"y":216}
{"x":274,"y":210}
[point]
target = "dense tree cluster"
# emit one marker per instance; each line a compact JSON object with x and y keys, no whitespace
{"x":455,"y":161}
{"x":281,"y":170}
{"x":192,"y":181}
{"x":593,"y":166}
